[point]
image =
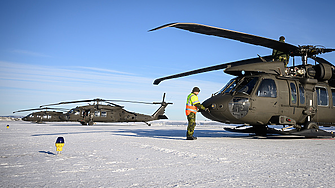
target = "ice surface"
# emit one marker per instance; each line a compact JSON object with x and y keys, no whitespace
{"x":135,"y":155}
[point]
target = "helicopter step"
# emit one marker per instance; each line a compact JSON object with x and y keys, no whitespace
{"x":308,"y":133}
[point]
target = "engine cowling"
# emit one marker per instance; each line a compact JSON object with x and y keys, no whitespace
{"x":323,"y":72}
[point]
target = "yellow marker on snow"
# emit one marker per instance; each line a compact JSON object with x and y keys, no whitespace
{"x":7,"y":126}
{"x":59,"y":144}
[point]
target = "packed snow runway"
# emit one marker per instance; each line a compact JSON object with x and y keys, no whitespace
{"x":135,"y":155}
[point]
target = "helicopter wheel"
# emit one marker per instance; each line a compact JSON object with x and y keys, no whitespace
{"x":311,"y":125}
{"x":261,"y":131}
{"x":83,"y":123}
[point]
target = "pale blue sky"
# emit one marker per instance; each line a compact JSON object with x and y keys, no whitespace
{"x":52,"y":51}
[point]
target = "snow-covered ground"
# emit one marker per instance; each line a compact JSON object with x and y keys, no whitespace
{"x":135,"y":155}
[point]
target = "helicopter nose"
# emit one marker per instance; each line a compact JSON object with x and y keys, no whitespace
{"x":218,"y":108}
{"x":227,"y":108}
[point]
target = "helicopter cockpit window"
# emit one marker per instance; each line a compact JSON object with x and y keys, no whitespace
{"x":97,"y":113}
{"x":229,"y":86}
{"x":322,"y":96}
{"x":247,"y":85}
{"x":302,"y":94}
{"x":267,"y":88}
{"x":77,"y":112}
{"x":293,"y":93}
{"x":74,"y":111}
{"x":333,"y":94}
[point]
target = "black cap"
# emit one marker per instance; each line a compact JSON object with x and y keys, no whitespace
{"x":196,"y":89}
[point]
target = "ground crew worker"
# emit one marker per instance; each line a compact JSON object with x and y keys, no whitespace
{"x":281,"y":56}
{"x":192,"y":106}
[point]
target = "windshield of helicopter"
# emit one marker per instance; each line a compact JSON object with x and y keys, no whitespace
{"x":74,"y":111}
{"x":240,"y":84}
{"x":246,"y":85}
{"x":229,"y":86}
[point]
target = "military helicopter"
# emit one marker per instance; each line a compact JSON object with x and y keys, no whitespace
{"x":265,"y":92}
{"x":43,"y":115}
{"x":109,"y":112}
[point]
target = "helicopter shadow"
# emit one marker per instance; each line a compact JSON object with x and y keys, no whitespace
{"x":174,"y":134}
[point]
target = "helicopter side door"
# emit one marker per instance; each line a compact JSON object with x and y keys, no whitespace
{"x":325,"y":105}
{"x":297,"y":101}
{"x":267,"y":99}
{"x":86,"y":115}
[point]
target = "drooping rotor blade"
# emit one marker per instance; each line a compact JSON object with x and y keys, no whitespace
{"x":139,"y":102}
{"x":213,"y":68}
{"x":112,"y":104}
{"x":71,"y":102}
{"x":325,"y":50}
{"x":34,"y":109}
{"x":225,"y":33}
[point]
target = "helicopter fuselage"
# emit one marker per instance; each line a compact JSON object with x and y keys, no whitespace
{"x":106,"y":113}
{"x":103,"y":113}
{"x":263,"y":99}
{"x":265,"y":91}
{"x":43,"y":116}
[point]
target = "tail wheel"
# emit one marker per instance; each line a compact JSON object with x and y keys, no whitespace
{"x":311,"y":125}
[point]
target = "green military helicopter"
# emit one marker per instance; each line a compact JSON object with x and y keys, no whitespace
{"x":43,"y":115}
{"x":265,"y":92}
{"x":109,"y":112}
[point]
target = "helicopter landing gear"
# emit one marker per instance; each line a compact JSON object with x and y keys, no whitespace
{"x":261,"y":130}
{"x":309,"y":130}
{"x":311,"y":125}
{"x":147,"y":123}
{"x":82,"y":122}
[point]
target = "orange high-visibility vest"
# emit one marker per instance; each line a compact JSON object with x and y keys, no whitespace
{"x":192,"y":99}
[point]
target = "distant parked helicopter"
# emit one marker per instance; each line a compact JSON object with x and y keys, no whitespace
{"x":109,"y":112}
{"x":265,"y":92}
{"x":43,"y":115}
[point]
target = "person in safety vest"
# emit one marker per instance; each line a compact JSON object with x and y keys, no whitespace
{"x":281,"y":56}
{"x":192,"y":107}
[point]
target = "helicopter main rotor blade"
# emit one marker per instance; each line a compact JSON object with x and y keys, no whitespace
{"x":213,"y":68}
{"x":80,"y":101}
{"x":34,"y":109}
{"x":234,"y":35}
{"x":130,"y":101}
{"x":113,"y":104}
